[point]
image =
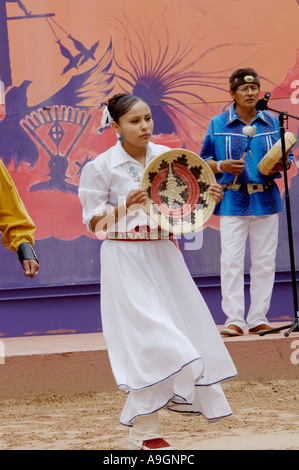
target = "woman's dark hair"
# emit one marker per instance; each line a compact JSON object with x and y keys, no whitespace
{"x":120,"y":104}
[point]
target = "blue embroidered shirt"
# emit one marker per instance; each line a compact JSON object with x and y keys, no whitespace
{"x":224,"y":140}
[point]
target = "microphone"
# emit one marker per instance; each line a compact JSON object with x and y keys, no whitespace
{"x":263,"y":102}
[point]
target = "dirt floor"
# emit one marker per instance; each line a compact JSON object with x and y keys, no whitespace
{"x":265,"y":417}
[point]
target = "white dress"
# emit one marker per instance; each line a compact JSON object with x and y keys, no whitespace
{"x":163,"y":344}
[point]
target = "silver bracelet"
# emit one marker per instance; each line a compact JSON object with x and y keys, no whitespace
{"x":127,"y":210}
{"x":113,"y":214}
{"x":218,"y":167}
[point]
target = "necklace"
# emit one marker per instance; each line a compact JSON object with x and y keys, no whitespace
{"x":134,"y":174}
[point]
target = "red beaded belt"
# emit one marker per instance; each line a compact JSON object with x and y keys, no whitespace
{"x":144,"y":233}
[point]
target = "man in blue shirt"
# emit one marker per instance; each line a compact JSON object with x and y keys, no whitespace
{"x":251,"y":201}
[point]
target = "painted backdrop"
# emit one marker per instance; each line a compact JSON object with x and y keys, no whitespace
{"x":61,"y":60}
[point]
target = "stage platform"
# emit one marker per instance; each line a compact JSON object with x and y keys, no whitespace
{"x":79,"y":363}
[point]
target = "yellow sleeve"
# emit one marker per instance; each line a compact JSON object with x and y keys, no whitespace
{"x":15,"y":223}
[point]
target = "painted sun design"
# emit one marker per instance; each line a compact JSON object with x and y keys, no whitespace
{"x":164,"y":72}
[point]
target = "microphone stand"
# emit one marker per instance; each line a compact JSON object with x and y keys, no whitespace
{"x":294,"y":326}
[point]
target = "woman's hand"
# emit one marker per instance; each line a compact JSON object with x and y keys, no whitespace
{"x":136,"y":197}
{"x":134,"y":202}
{"x":216,"y":191}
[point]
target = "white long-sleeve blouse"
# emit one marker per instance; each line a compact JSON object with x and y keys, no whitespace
{"x":107,"y":180}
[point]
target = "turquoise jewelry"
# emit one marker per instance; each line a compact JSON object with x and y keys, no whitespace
{"x":134,"y":173}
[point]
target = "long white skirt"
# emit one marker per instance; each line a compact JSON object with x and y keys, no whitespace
{"x":163,"y":344}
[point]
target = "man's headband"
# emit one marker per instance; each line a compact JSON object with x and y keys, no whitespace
{"x":241,"y":76}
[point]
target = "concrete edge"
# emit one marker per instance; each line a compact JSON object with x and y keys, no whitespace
{"x":79,"y":363}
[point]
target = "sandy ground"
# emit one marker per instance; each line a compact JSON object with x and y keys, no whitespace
{"x":265,"y":417}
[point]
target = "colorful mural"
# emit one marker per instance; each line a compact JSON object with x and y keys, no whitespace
{"x":59,"y":61}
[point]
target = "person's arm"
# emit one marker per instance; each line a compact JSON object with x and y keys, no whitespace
{"x":28,"y":259}
{"x":16,"y":225}
{"x":134,"y":201}
{"x":208,"y":153}
{"x":230,"y":166}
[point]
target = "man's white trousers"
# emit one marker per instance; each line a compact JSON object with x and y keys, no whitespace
{"x":262,"y":232}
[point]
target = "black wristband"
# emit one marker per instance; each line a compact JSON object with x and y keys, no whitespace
{"x":25,"y":251}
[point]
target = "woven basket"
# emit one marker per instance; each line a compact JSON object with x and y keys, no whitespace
{"x":177,"y":183}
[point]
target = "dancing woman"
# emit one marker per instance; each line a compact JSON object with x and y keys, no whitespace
{"x":164,"y":347}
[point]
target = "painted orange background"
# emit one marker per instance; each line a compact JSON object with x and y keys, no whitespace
{"x":261,"y":33}
{"x":192,"y":46}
